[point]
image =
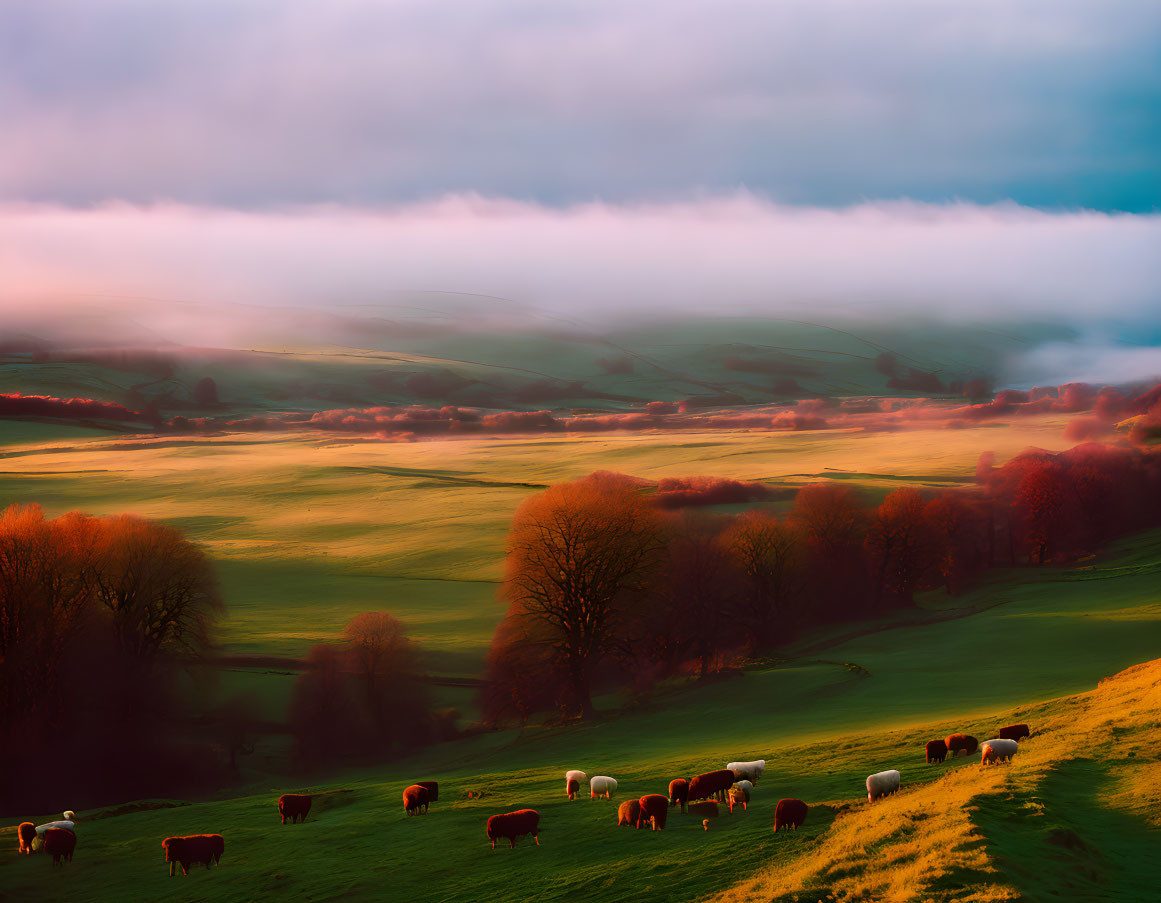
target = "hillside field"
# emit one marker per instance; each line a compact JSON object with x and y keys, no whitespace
{"x":1078,"y":808}
{"x":308,"y":531}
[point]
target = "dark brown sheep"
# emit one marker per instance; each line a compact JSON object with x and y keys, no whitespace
{"x":705,"y":808}
{"x":513,"y":825}
{"x":628,"y":812}
{"x":712,"y":783}
{"x":655,"y":809}
{"x":294,"y":806}
{"x":204,"y":848}
{"x":936,"y":750}
{"x":1015,"y":732}
{"x":26,"y":834}
{"x":964,"y":743}
{"x":59,"y":843}
{"x":432,"y":790}
{"x":415,"y":798}
{"x":679,"y":792}
{"x":572,"y":788}
{"x":790,"y":814}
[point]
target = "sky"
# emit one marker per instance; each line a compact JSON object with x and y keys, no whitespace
{"x":1000,"y":156}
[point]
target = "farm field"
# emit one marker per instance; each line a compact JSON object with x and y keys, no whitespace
{"x":1086,"y":781}
{"x":309,"y":531}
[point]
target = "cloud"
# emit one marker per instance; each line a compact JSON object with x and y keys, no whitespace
{"x":256,"y":103}
{"x":739,"y":254}
{"x":1090,"y":361}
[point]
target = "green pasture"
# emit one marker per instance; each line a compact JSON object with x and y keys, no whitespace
{"x":821,"y":725}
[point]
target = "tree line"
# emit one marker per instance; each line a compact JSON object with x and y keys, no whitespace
{"x":98,"y":618}
{"x":606,"y":588}
{"x":108,"y":691}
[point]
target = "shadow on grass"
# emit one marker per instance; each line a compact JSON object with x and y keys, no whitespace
{"x":1058,"y":842}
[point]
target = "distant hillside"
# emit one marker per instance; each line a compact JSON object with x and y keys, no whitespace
{"x":296,"y":360}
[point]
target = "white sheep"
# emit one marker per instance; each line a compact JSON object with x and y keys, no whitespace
{"x":746,"y":787}
{"x":749,"y":771}
{"x":882,"y":784}
{"x":69,"y":824}
{"x":569,"y":777}
{"x":993,"y":751}
{"x":602,"y":785}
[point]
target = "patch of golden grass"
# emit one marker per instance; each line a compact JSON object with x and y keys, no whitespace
{"x":921,"y":844}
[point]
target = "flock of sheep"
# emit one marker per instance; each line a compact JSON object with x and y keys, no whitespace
{"x":699,"y":795}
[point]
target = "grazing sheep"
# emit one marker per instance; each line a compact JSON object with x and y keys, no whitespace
{"x":655,"y":809}
{"x":67,"y":824}
{"x":936,"y":750}
{"x":1015,"y":732}
{"x":294,"y":806}
{"x":432,"y":789}
{"x":573,"y":781}
{"x":958,"y":743}
{"x":204,"y":848}
{"x":712,"y":783}
{"x":738,"y":797}
{"x":513,"y":825}
{"x":748,"y":771}
{"x":998,"y":750}
{"x":882,"y":784}
{"x":26,"y":833}
{"x":58,"y":843}
{"x":414,"y":798}
{"x":602,"y":785}
{"x":790,"y":813}
{"x":746,"y":787}
{"x":707,"y":808}
{"x":629,"y":813}
{"x":679,"y":792}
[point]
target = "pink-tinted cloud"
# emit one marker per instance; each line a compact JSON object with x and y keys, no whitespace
{"x":735,"y":254}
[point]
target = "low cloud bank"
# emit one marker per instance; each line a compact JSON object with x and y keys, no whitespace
{"x":595,"y":262}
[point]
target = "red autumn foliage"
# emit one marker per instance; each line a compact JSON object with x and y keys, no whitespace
{"x":361,"y":699}
{"x":13,"y":404}
{"x":1084,"y":429}
{"x":1146,"y":402}
{"x":580,"y":555}
{"x":99,"y":617}
{"x":709,"y":587}
{"x":770,"y":558}
{"x":682,"y":492}
{"x":521,"y":422}
{"x":899,"y":545}
{"x":1110,"y":404}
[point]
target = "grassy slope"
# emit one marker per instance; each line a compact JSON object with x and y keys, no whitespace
{"x":821,"y":726}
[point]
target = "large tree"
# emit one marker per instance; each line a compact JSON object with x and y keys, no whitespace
{"x":833,"y":524}
{"x":770,"y":558}
{"x":701,"y":589}
{"x":158,"y":588}
{"x":900,"y":546}
{"x":578,"y":553}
